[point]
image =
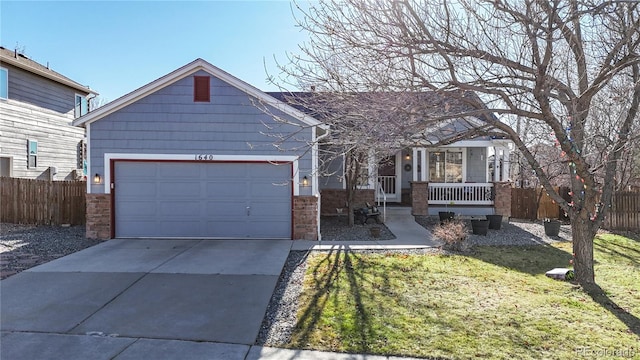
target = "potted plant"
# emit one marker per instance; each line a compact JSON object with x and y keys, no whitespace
{"x":495,"y":221}
{"x":446,"y":215}
{"x":551,"y":227}
{"x":480,"y":226}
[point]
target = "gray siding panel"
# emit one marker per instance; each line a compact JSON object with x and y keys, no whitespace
{"x":331,"y":172}
{"x":477,"y":164}
{"x":169,"y":122}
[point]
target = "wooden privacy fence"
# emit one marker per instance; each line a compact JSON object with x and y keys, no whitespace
{"x":624,"y":213}
{"x":41,"y":202}
{"x":524,"y":204}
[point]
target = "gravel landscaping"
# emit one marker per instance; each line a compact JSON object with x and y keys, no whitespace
{"x":26,"y":246}
{"x":336,"y":228}
{"x":514,"y":233}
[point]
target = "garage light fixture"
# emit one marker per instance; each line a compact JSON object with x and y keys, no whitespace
{"x":97,"y":179}
{"x":305,"y":181}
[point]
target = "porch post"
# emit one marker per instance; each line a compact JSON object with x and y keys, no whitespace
{"x":423,"y":165}
{"x":496,"y":163}
{"x":505,"y":164}
{"x":419,"y":198}
{"x":502,"y":201}
{"x":415,"y":164}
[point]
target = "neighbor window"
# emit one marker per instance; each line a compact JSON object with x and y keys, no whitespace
{"x":201,"y":89}
{"x":445,"y":167}
{"x":4,"y":83}
{"x":32,"y":150}
{"x":81,"y":106}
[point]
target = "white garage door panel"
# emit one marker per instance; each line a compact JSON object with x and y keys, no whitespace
{"x":207,"y":200}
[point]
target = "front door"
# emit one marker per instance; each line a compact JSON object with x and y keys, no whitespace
{"x":388,"y":179}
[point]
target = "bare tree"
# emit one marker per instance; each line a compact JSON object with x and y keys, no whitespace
{"x":550,"y":62}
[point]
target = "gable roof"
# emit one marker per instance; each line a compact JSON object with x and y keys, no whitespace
{"x":14,"y":58}
{"x":464,"y":114}
{"x":182,"y":72}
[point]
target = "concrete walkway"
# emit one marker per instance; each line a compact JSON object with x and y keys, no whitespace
{"x":409,"y":235}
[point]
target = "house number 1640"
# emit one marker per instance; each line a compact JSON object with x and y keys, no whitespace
{"x":204,"y":157}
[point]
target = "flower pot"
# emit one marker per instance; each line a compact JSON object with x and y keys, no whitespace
{"x":480,"y":227}
{"x":495,"y":221}
{"x":552,"y":227}
{"x":375,"y":231}
{"x":446,"y":216}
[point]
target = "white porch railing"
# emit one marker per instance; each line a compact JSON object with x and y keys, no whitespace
{"x":461,"y":194}
{"x":388,"y":184}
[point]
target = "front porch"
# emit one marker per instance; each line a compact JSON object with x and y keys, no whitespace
{"x":459,"y":177}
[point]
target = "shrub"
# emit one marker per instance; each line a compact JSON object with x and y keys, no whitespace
{"x":453,"y":233}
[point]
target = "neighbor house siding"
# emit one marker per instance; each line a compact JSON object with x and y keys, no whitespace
{"x":42,"y":110}
{"x":168,"y":121}
{"x":58,"y":141}
{"x":41,"y":92}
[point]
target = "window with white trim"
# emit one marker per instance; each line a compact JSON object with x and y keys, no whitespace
{"x":81,"y":106}
{"x":445,"y":166}
{"x":32,"y":153}
{"x":4,"y":83}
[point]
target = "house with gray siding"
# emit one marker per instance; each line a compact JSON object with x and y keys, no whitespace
{"x":198,"y":153}
{"x":428,"y":171}
{"x":37,"y":106}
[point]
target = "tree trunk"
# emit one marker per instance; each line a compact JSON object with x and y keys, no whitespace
{"x":350,"y":197}
{"x":583,"y":236}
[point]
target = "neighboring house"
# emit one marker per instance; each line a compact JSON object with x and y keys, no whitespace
{"x":468,"y":177}
{"x":197,"y":154}
{"x":37,"y":106}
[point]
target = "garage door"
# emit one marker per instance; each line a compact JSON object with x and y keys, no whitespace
{"x":202,"y":200}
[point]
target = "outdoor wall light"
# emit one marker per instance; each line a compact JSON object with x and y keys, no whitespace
{"x":97,"y":179}
{"x":305,"y":181}
{"x":408,"y":156}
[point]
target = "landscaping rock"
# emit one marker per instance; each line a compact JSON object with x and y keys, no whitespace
{"x":26,"y":246}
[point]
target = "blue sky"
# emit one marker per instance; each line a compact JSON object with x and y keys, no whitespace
{"x":117,"y":46}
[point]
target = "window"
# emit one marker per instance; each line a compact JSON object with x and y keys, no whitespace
{"x":201,"y":89}
{"x":4,"y":83}
{"x":6,"y":166}
{"x":445,"y":167}
{"x":81,"y":106}
{"x":82,"y":155}
{"x":32,"y":150}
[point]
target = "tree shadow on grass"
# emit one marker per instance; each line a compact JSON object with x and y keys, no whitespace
{"x":530,"y":259}
{"x":632,"y":255}
{"x":334,"y":268}
{"x":536,"y":260}
{"x":600,"y":296}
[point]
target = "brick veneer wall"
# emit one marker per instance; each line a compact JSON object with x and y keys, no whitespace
{"x":331,"y":199}
{"x":502,"y":202}
{"x":419,"y":198}
{"x":98,"y":216}
{"x":305,"y":218}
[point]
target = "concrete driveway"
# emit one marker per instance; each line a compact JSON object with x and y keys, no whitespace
{"x":135,"y":299}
